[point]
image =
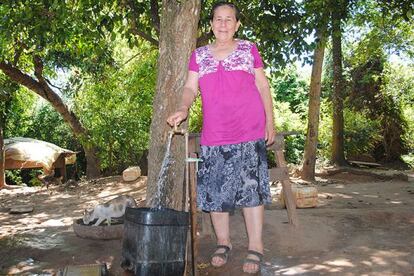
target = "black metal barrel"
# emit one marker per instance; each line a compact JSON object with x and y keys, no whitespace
{"x":154,"y":241}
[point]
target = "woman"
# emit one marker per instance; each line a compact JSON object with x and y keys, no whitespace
{"x":237,"y":123}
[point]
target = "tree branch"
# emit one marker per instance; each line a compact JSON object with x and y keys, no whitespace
{"x":53,"y":85}
{"x":41,"y":88}
{"x":18,"y":76}
{"x":155,"y":16}
{"x":134,"y":26}
{"x":145,"y":36}
{"x":38,"y":63}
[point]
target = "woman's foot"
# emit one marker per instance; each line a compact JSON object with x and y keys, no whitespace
{"x":253,"y":261}
{"x":221,"y":255}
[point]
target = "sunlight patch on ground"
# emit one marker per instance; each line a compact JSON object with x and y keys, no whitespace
{"x":29,"y":224}
{"x":43,"y":241}
{"x":339,"y":186}
{"x":306,"y":268}
{"x":385,"y":257}
{"x":371,"y":196}
{"x":367,"y":263}
{"x":344,"y":196}
{"x":53,"y":223}
{"x":340,"y":262}
{"x":59,"y":196}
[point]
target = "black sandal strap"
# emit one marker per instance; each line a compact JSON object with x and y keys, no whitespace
{"x":255,"y":253}
{"x":252,"y":261}
{"x":222,"y":255}
{"x":225,"y":247}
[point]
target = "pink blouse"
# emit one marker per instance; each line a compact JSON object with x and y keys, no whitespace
{"x":233,"y":110}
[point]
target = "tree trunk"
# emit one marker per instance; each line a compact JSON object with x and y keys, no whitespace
{"x":309,"y":158}
{"x":178,"y":32}
{"x":41,"y":88}
{"x":338,"y":157}
{"x":2,"y":157}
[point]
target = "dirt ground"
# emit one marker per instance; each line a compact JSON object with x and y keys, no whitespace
{"x":362,"y":226}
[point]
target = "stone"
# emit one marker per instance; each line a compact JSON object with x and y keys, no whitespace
{"x":131,"y":173}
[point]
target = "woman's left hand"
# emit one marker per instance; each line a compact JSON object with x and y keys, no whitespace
{"x":270,"y":134}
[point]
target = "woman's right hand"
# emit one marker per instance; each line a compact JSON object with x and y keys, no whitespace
{"x":176,"y":118}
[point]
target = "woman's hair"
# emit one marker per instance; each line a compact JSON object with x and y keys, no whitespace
{"x":225,"y":3}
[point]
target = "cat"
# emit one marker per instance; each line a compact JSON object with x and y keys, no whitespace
{"x":112,"y":209}
{"x":50,"y":179}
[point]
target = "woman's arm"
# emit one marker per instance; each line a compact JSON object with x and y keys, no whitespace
{"x":188,"y":96}
{"x":264,"y":89}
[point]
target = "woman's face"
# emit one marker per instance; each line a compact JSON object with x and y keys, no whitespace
{"x":224,"y":24}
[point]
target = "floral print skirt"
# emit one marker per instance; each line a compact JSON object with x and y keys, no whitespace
{"x":233,"y":176}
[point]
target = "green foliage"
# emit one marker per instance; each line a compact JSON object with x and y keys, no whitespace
{"x":62,"y":33}
{"x":362,"y":134}
{"x":379,"y":27}
{"x":408,"y":159}
{"x":13,"y":177}
{"x":48,"y":125}
{"x":286,"y":120}
{"x":325,"y":131}
{"x":115,"y":103}
{"x":33,"y":180}
{"x":399,"y":87}
{"x":117,"y":110}
{"x":278,"y":27}
{"x":408,"y":114}
{"x":19,"y":113}
{"x":289,"y":88}
{"x":370,"y":95}
{"x":374,"y":112}
{"x":196,"y":117}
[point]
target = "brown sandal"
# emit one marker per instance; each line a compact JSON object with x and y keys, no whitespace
{"x":222,"y":255}
{"x":250,"y":260}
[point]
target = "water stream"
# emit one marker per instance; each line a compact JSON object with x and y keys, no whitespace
{"x":162,"y":177}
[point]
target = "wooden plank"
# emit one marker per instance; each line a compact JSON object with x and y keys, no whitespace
{"x":287,"y":189}
{"x":279,"y":143}
{"x":278,"y":174}
{"x":290,"y":203}
{"x":368,"y":164}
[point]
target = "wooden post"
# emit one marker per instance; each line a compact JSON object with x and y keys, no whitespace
{"x":194,"y":150}
{"x":2,"y":160}
{"x":60,"y":164}
{"x":193,"y":212}
{"x":278,"y":148}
